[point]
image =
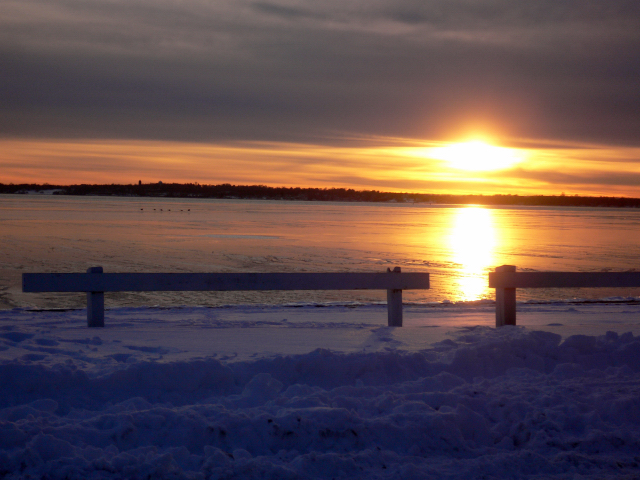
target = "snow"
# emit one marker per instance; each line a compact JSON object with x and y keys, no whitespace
{"x":321,"y":393}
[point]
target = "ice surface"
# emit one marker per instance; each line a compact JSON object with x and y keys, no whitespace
{"x":456,"y":246}
{"x":302,"y":393}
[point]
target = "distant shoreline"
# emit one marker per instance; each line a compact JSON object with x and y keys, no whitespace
{"x":262,"y":192}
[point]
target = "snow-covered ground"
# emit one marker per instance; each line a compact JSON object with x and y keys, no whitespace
{"x":309,"y":392}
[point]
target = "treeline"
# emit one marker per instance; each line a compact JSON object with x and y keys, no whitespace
{"x":262,"y":192}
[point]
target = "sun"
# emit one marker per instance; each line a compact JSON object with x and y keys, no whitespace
{"x":477,"y":155}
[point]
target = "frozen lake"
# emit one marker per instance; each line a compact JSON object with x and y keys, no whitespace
{"x":458,"y":246}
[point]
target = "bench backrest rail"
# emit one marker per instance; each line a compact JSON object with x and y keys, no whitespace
{"x":95,"y":283}
{"x":505,"y":280}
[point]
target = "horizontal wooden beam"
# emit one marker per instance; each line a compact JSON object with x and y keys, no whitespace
{"x":563,"y":279}
{"x":147,"y":282}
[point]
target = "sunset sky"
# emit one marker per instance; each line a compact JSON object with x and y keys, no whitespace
{"x":459,"y":96}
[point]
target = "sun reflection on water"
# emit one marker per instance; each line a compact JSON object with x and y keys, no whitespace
{"x":473,"y":246}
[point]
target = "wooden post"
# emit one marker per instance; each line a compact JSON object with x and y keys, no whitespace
{"x":394,"y":303}
{"x":505,"y":301}
{"x":95,"y":304}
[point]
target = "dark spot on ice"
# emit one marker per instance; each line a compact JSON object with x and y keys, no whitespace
{"x":16,"y":336}
{"x":554,"y":324}
{"x":47,"y":342}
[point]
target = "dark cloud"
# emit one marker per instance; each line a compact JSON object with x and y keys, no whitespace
{"x":492,"y":14}
{"x":289,"y":13}
{"x":203,"y":70}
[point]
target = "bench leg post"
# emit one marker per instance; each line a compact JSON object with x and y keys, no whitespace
{"x":505,"y":301}
{"x":394,"y":308}
{"x":95,"y":304}
{"x":394,"y":304}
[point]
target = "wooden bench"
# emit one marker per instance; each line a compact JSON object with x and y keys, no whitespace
{"x":95,"y":283}
{"x":505,"y":280}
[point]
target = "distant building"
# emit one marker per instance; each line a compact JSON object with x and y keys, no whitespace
{"x":139,"y":182}
{"x":160,"y":182}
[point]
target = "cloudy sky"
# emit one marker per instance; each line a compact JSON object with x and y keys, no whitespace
{"x":365,"y":94}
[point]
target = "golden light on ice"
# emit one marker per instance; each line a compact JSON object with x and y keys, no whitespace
{"x":477,"y":156}
{"x":473,"y":244}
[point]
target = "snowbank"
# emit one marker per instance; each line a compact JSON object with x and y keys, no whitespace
{"x":481,"y":403}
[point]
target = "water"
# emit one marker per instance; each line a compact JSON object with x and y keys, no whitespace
{"x":458,"y":246}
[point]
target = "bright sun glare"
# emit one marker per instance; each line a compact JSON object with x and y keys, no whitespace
{"x":473,"y":243}
{"x":476,"y":156}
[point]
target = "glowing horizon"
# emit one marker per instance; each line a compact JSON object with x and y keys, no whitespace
{"x":388,"y":164}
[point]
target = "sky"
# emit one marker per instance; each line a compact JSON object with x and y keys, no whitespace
{"x":379,"y":94}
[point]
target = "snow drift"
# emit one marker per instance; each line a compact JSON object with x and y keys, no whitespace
{"x":486,"y":403}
